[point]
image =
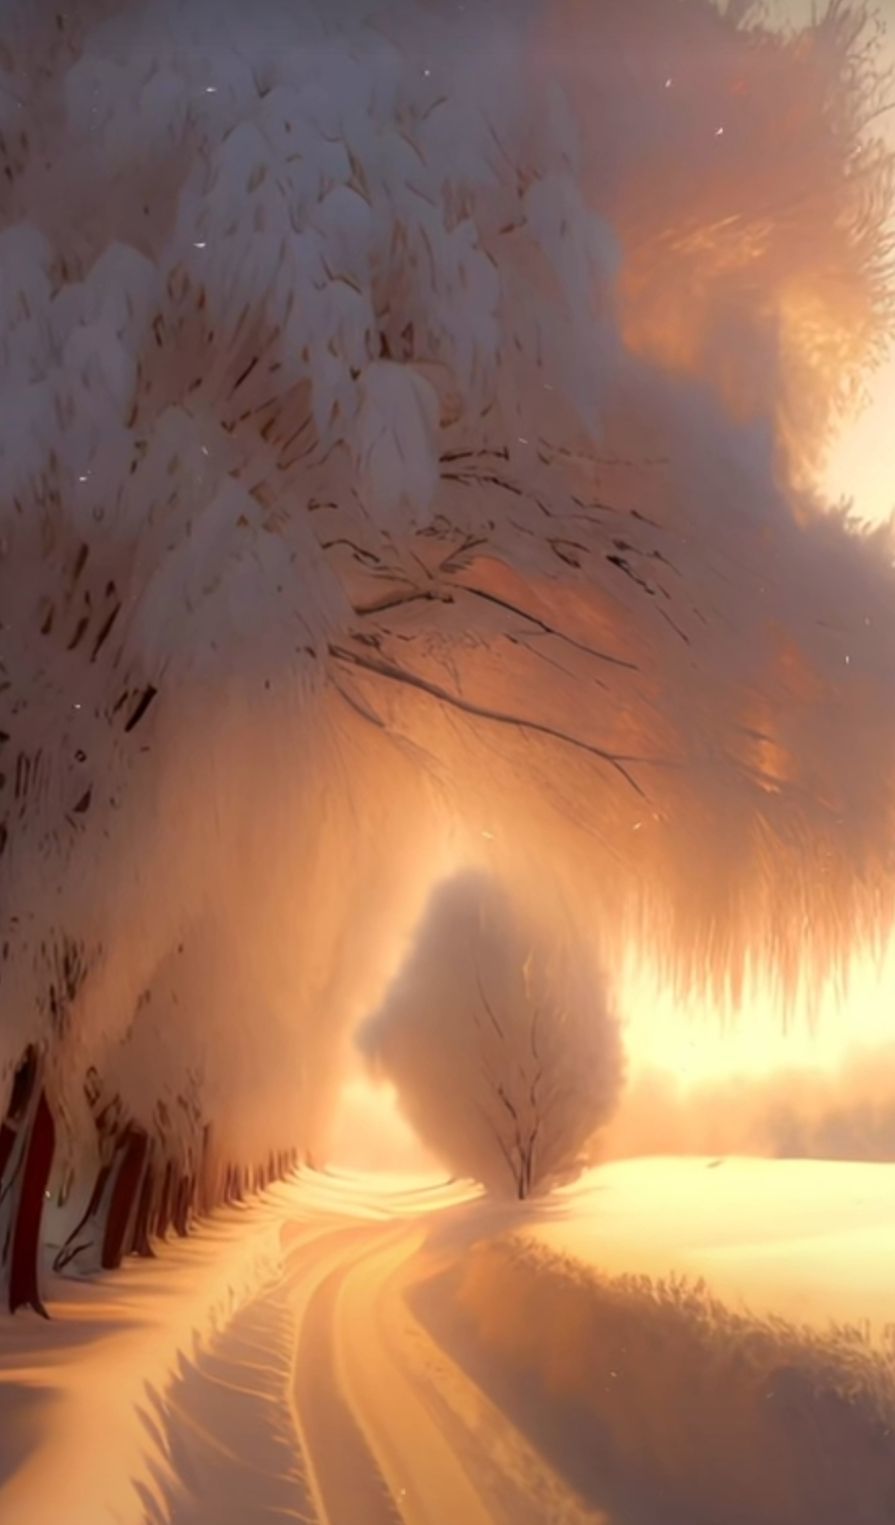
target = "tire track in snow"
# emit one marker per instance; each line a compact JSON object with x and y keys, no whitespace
{"x":331,"y":1403}
{"x":427,"y":1479}
{"x":227,"y":1425}
{"x":345,"y":1479}
{"x":446,"y":1451}
{"x":518,"y":1484}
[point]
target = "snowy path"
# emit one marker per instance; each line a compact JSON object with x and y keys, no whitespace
{"x":404,"y":1352}
{"x":368,"y":1351}
{"x":386,"y":1427}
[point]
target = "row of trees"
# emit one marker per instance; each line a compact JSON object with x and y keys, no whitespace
{"x":140,"y":1192}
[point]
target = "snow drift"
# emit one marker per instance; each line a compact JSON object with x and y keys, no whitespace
{"x":407,"y":422}
{"x":83,"y":1401}
{"x":499,"y":1038}
{"x":659,"y":1402}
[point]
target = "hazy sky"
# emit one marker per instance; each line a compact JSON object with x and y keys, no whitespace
{"x":862,"y":465}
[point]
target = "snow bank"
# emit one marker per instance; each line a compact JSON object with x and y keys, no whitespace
{"x":80,"y":1397}
{"x":804,"y":1240}
{"x":659,"y":1402}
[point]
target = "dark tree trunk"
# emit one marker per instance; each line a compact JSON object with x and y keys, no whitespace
{"x":209,"y":1176}
{"x":163,"y":1219}
{"x":24,"y":1290}
{"x":132,"y":1151}
{"x":183,"y":1202}
{"x":7,"y":1139}
{"x":19,"y":1099}
{"x":140,"y":1240}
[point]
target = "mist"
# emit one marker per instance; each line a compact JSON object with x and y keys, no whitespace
{"x":423,"y":627}
{"x":438,"y":498}
{"x":846,"y":1112}
{"x":499,"y":1038}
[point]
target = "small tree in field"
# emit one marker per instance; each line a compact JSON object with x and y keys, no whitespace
{"x":499,"y":1039}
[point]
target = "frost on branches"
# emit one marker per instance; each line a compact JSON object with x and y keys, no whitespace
{"x":499,"y":1037}
{"x":408,"y":421}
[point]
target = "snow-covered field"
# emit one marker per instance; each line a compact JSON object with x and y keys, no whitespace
{"x":366,"y":1349}
{"x":807,"y":1240}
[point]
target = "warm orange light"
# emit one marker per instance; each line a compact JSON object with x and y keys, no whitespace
{"x":695,"y":1041}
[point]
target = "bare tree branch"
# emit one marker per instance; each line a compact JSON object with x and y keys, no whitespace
{"x":498,"y":1139}
{"x":487,"y":1004}
{"x":545,"y":627}
{"x":383,"y":668}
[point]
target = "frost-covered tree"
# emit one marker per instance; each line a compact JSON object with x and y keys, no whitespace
{"x":406,"y":412}
{"x":499,"y":1037}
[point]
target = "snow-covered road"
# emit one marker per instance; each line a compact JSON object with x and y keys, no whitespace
{"x":441,"y":1360}
{"x":386,"y":1426}
{"x":365,"y":1351}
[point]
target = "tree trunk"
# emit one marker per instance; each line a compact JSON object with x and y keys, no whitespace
{"x":183,"y":1202}
{"x":132,"y":1150}
{"x":19,"y":1100}
{"x":163,"y":1218}
{"x":24,"y":1270}
{"x":140,"y":1239}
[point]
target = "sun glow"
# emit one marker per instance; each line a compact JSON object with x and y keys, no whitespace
{"x":695,"y":1040}
{"x":368,"y":1131}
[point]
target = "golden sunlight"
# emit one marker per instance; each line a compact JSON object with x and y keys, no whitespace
{"x":447,"y":762}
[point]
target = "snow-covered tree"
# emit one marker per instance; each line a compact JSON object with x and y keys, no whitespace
{"x":500,"y":1039}
{"x":405,"y":419}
